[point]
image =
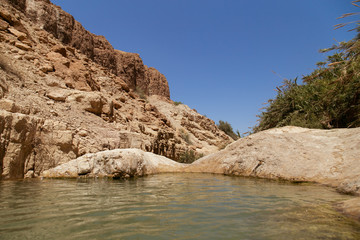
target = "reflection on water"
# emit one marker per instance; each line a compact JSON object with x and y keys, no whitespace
{"x":166,"y":206}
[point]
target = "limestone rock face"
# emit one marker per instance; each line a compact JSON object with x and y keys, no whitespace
{"x":27,"y":141}
{"x":77,"y":95}
{"x":66,"y":29}
{"x":191,"y":126}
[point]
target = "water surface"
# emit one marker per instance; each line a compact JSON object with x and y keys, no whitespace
{"x":168,"y":206}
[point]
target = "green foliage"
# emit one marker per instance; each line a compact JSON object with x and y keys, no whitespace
{"x":329,"y":97}
{"x":227,"y":128}
{"x":177,"y":103}
{"x":189,"y":156}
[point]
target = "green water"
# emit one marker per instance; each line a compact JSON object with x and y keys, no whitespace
{"x":180,"y":206}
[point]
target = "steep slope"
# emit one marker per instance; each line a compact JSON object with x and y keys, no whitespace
{"x":65,"y":92}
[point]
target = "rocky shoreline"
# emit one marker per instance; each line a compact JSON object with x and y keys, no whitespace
{"x":73,"y":106}
{"x":328,"y":157}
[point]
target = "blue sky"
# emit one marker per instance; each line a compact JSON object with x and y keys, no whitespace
{"x":219,"y":56}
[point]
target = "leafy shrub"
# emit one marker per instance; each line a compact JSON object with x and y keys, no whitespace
{"x":329,"y":97}
{"x":189,"y":156}
{"x":177,"y":103}
{"x":227,"y":128}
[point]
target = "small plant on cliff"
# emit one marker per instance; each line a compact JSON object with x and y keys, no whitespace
{"x":177,"y":103}
{"x":189,"y":156}
{"x":227,"y":128}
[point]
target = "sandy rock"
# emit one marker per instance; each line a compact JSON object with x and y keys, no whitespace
{"x":6,"y":15}
{"x":158,"y":84}
{"x":60,"y":49}
{"x":297,"y":154}
{"x":83,"y":133}
{"x":46,"y":68}
{"x":17,"y":135}
{"x":58,"y":94}
{"x":8,"y":105}
{"x":4,"y":25}
{"x":24,"y":47}
{"x":118,"y":163}
{"x":52,"y":81}
{"x":91,"y":101}
{"x":21,"y":36}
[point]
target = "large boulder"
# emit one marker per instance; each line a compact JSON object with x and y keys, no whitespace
{"x":291,"y":153}
{"x":118,"y":163}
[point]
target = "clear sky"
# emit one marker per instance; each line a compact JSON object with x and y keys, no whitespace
{"x":219,"y":56}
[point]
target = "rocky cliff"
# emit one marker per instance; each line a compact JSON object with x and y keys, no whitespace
{"x":65,"y":92}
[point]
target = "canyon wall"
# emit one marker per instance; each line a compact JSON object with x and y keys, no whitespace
{"x":65,"y":92}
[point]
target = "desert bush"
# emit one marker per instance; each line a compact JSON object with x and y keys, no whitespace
{"x":189,"y":156}
{"x":177,"y":103}
{"x":227,"y":128}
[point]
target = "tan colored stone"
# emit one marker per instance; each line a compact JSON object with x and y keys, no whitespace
{"x":297,"y":154}
{"x":20,"y":35}
{"x":3,"y":25}
{"x":46,"y":68}
{"x":8,"y":105}
{"x":58,"y":94}
{"x":6,"y":15}
{"x":90,"y":101}
{"x":22,"y":46}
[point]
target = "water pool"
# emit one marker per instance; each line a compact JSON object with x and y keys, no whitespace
{"x":171,"y":206}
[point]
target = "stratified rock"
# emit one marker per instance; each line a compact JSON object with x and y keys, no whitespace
{"x":3,"y":25}
{"x":131,"y":69}
{"x":21,"y":36}
{"x":61,"y":25}
{"x":28,"y":48}
{"x":119,"y":163}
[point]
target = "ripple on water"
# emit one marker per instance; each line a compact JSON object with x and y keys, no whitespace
{"x":180,"y":206}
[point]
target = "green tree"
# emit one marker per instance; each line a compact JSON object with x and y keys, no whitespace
{"x":227,"y":128}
